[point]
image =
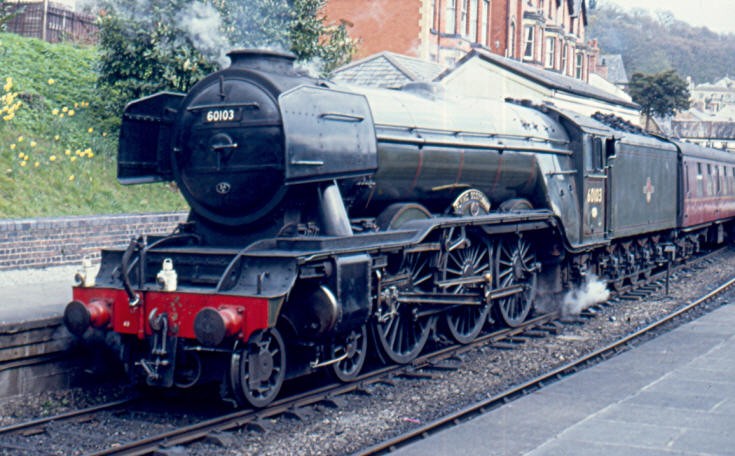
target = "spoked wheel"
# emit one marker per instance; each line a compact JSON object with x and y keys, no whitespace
{"x":257,"y":368}
{"x":516,"y":265}
{"x":354,"y":351}
{"x":473,"y":260}
{"x":400,"y":329}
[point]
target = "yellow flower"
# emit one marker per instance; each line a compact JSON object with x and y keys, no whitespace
{"x":51,"y":82}
{"x":57,"y":137}
{"x":71,"y":113}
{"x":67,"y":152}
{"x":73,"y":159}
{"x":71,"y":178}
{"x":22,"y":163}
{"x":37,"y":164}
{"x":55,"y":112}
{"x":21,"y":155}
{"x":76,"y":105}
{"x":34,"y":143}
{"x":64,"y":109}
{"x":12,"y":147}
{"x":104,"y":134}
{"x":90,"y":130}
{"x":20,"y":139}
{"x":61,"y":116}
{"x":52,"y":158}
{"x":90,"y":154}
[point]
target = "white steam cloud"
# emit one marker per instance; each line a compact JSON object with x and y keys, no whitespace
{"x":246,"y":26}
{"x":592,"y":291}
{"x":202,"y":25}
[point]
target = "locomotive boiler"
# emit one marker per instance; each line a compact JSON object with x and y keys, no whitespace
{"x":328,"y":222}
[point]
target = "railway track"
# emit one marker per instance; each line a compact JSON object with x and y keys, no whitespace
{"x":484,"y":406}
{"x":212,"y":428}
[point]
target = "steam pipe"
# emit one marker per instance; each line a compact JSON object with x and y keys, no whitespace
{"x":332,"y":212}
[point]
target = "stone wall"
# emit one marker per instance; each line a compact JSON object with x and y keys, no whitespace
{"x":45,"y":242}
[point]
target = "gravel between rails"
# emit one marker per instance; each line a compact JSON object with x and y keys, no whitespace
{"x":391,"y":409}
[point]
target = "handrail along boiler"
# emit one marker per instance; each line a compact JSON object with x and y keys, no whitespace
{"x":328,"y":222}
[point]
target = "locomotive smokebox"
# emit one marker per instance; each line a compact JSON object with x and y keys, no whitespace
{"x":263,"y":60}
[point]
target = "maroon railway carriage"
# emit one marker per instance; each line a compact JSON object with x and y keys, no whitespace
{"x":708,"y":181}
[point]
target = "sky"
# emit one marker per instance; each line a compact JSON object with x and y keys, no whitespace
{"x":717,"y":15}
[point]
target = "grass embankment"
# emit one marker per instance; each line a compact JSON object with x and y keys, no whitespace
{"x":57,"y":148}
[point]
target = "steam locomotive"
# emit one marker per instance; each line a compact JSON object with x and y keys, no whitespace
{"x":330,"y":222}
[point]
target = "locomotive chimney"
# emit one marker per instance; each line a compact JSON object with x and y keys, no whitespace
{"x":263,"y":60}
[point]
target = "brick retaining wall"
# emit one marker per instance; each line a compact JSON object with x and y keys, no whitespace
{"x":44,"y":242}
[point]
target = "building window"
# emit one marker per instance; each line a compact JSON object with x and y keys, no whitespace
{"x":451,"y":24}
{"x":528,"y":51}
{"x":579,"y":65}
{"x":564,"y":52}
{"x":474,"y":5}
{"x":463,"y":18}
{"x":511,"y":51}
{"x":550,"y":52}
{"x":483,"y":29}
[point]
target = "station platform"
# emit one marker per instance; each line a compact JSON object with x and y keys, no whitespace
{"x":35,"y":294}
{"x":34,"y":344}
{"x":673,"y":395}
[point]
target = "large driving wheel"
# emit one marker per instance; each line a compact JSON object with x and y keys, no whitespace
{"x":257,"y":368}
{"x":516,"y":266}
{"x":354,"y":351}
{"x":400,"y":329}
{"x":473,"y":260}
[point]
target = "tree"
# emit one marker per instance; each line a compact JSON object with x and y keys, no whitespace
{"x":7,"y":12}
{"x":148,"y":45}
{"x":661,"y":94}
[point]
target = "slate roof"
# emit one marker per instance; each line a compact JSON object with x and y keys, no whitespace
{"x":388,"y":70}
{"x":615,"y":68}
{"x":548,"y":79}
{"x":703,"y":130}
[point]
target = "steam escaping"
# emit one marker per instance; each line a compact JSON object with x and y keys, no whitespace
{"x":202,"y":25}
{"x":211,"y":27}
{"x":592,"y":291}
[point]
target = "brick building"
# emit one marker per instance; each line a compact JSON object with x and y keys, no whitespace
{"x":548,"y":34}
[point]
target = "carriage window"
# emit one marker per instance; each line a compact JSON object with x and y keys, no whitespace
{"x":709,"y":179}
{"x":700,"y":180}
{"x":725,"y":180}
{"x":718,"y":188}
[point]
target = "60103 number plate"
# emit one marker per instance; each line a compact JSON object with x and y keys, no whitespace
{"x":222,"y":115}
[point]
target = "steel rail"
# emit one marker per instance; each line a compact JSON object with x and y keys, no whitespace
{"x":241,"y":418}
{"x":486,"y":405}
{"x":38,"y":422}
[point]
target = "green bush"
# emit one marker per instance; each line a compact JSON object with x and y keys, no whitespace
{"x":58,"y":143}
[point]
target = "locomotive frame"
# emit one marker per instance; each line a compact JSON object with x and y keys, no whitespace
{"x":331,"y":222}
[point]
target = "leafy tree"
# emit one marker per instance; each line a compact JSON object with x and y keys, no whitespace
{"x":149,"y":45}
{"x":7,"y":12}
{"x":660,"y":94}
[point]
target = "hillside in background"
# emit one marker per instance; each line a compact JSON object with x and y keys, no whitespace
{"x":654,"y":43}
{"x":57,"y":147}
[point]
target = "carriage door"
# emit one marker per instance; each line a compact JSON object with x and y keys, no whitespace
{"x":594,"y":190}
